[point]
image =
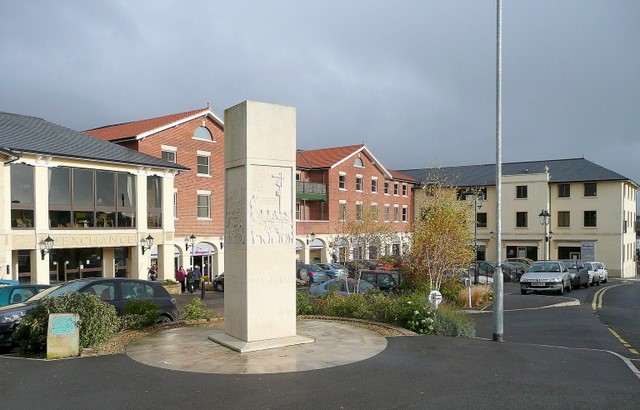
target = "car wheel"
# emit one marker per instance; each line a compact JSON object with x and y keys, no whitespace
{"x":569,"y":288}
{"x":524,"y":292}
{"x":561,"y":290}
{"x":164,"y":319}
{"x":219,"y":287}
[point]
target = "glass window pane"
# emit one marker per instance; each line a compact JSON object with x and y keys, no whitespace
{"x":105,"y":185}
{"x":126,"y":190}
{"x":82,"y":187}
{"x":21,"y":184}
{"x":59,"y":192}
{"x":154,"y":192}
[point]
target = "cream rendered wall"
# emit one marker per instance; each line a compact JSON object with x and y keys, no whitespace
{"x":32,"y":239}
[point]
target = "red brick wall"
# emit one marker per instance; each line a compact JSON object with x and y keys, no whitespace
{"x":187,"y":183}
{"x":352,"y":196}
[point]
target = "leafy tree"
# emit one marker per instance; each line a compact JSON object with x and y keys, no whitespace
{"x":442,"y":236}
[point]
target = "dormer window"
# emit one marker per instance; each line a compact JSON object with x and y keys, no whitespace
{"x":358,"y":163}
{"x":202,"y":133}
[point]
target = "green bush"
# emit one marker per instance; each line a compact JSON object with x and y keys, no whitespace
{"x":98,"y":321}
{"x":453,"y":322}
{"x":170,"y":282}
{"x":450,"y":291}
{"x":197,"y":309}
{"x":305,"y":304}
{"x":354,"y":306}
{"x":139,"y":313}
{"x":415,"y":314}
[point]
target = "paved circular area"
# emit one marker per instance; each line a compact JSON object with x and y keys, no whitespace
{"x":189,"y":349}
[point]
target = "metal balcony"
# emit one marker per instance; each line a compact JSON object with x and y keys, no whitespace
{"x":311,"y":191}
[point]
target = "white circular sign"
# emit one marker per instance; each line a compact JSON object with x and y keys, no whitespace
{"x":435,"y":298}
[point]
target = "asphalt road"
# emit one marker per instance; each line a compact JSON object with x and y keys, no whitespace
{"x":561,"y":357}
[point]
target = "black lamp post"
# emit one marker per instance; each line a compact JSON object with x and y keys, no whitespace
{"x":48,"y":245}
{"x":189,"y":242}
{"x":148,"y":243}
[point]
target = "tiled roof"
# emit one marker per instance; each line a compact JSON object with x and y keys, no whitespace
{"x":328,"y":157}
{"x":25,"y":134}
{"x":129,"y":130}
{"x":403,"y":177}
{"x":560,"y":170}
{"x":324,"y":157}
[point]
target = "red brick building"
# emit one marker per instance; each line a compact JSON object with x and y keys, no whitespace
{"x":194,"y":139}
{"x":333,"y":183}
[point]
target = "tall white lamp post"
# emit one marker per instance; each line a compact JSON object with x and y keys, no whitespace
{"x":544,"y":220}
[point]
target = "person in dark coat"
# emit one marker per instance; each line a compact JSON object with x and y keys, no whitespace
{"x":181,"y":276}
{"x":197,"y":274}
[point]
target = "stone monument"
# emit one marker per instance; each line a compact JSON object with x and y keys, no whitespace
{"x":260,"y":288}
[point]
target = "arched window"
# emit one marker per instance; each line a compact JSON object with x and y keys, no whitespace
{"x":202,"y":133}
{"x":358,"y":163}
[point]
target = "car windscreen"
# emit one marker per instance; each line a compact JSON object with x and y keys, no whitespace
{"x":60,"y":290}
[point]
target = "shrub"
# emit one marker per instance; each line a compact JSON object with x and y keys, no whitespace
{"x":414,"y":314}
{"x":451,"y":289}
{"x":167,"y":282}
{"x":353,"y":306}
{"x":481,"y":296}
{"x":305,"y":304}
{"x":452,"y":322}
{"x":98,"y":321}
{"x":139,"y":313}
{"x":197,"y":309}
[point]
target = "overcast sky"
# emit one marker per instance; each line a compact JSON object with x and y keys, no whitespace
{"x":413,"y":80}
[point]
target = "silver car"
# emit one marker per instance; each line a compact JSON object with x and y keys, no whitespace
{"x":545,"y":276}
{"x":594,"y":274}
{"x":602,"y":270}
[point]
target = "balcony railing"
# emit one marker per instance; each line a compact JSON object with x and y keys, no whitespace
{"x":311,"y":191}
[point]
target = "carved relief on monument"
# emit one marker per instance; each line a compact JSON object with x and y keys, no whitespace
{"x":235,"y":229}
{"x":270,"y":209}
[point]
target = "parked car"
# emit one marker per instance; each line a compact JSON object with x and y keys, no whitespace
{"x":382,"y":279}
{"x":518,"y":268}
{"x":594,"y":275}
{"x":218,"y":282}
{"x":7,"y":282}
{"x":115,"y":291}
{"x":362,"y":264}
{"x":316,"y":273}
{"x":546,"y":276}
{"x":343,"y":286}
{"x":334,"y":270}
{"x":602,"y":271}
{"x":526,"y":261}
{"x":301,"y":270}
{"x":577,"y":271}
{"x":11,"y":294}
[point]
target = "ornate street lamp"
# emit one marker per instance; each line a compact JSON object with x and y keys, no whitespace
{"x":148,"y":243}
{"x":544,"y":220}
{"x":48,"y":245}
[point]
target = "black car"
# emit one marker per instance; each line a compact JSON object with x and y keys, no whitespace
{"x":382,"y":279}
{"x":115,"y":291}
{"x":578,"y":272}
{"x":218,"y":282}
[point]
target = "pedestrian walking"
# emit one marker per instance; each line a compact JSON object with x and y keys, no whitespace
{"x":197,"y":274}
{"x":190,"y":280}
{"x":152,"y":274}
{"x":181,"y":276}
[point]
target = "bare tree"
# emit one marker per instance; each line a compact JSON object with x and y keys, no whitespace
{"x":361,"y":237}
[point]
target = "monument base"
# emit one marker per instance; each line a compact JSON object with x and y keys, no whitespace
{"x":242,"y":346}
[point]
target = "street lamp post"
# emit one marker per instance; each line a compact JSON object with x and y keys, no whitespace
{"x":478,"y":199}
{"x":544,"y":220}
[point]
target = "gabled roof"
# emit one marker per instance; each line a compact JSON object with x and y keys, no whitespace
{"x":24,"y":134}
{"x":325,"y":158}
{"x":560,"y":170}
{"x":137,"y":130}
